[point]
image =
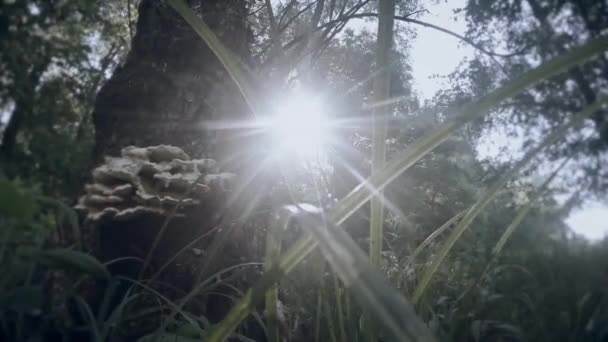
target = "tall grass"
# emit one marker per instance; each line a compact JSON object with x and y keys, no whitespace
{"x":387,"y":307}
{"x":356,"y":276}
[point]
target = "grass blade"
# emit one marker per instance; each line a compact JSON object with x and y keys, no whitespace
{"x":433,"y":235}
{"x":378,"y":181}
{"x":273,"y":252}
{"x":87,"y":313}
{"x":318,"y":314}
{"x":388,"y":308}
{"x":230,"y":62}
{"x":289,"y":261}
{"x":339,"y":308}
{"x":380,"y":114}
{"x":74,"y":260}
{"x":362,"y":193}
{"x":329,"y":321}
{"x":491,"y":192}
{"x":523,"y":212}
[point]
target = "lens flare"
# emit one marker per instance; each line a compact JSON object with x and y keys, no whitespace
{"x":300,"y":126}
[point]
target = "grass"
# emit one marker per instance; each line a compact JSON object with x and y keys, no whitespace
{"x":365,"y":281}
{"x":354,"y":274}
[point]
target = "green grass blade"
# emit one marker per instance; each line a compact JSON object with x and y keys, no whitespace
{"x":329,"y":320}
{"x":73,"y":260}
{"x":362,"y":193}
{"x":170,"y":304}
{"x":106,"y":301}
{"x":244,"y":307}
{"x":523,"y":212}
{"x":69,"y":214}
{"x":227,"y":58}
{"x":201,"y":286}
{"x":352,"y":332}
{"x":434,"y":235}
{"x":380,"y":114}
{"x":273,"y":252}
{"x":383,"y":303}
{"x":339,"y":308}
{"x":491,"y":192}
{"x":117,"y":316}
{"x":273,"y":272}
{"x":87,"y":313}
{"x":318,"y":314}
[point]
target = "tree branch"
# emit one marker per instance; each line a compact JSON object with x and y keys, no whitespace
{"x":413,"y":21}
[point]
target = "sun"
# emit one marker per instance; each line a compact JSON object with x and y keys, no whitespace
{"x":299,"y":126}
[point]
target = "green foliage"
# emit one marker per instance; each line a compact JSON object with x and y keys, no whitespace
{"x":53,"y":58}
{"x":493,"y":190}
{"x":26,"y":223}
{"x":367,"y":290}
{"x":15,"y":203}
{"x":448,"y":217}
{"x":74,"y":260}
{"x":535,"y":32}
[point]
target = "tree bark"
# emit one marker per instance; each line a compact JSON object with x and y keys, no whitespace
{"x":24,"y":97}
{"x":171,"y":83}
{"x":169,"y":88}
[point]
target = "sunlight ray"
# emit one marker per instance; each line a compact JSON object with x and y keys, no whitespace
{"x":248,"y":180}
{"x":389,"y":101}
{"x":362,"y":180}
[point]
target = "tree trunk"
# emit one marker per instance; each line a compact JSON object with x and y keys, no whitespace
{"x":167,"y":91}
{"x":171,"y":83}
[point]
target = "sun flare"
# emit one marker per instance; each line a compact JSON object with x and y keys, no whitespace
{"x":300,"y":126}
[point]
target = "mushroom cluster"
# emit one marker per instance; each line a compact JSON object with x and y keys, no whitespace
{"x":151,"y":181}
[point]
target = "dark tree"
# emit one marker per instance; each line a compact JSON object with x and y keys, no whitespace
{"x":533,"y":32}
{"x":169,"y":88}
{"x":171,"y":83}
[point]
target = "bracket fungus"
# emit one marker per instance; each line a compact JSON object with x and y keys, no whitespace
{"x":151,"y":181}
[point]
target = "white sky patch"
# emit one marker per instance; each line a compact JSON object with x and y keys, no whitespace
{"x":435,"y":54}
{"x":4,"y":117}
{"x":6,"y":111}
{"x":590,"y":221}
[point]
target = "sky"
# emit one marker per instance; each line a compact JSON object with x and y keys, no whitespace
{"x":435,"y":53}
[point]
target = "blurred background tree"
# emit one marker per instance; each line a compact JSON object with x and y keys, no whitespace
{"x":54,"y":58}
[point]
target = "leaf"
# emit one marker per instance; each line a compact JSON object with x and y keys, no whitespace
{"x":70,"y":259}
{"x":70,"y":214}
{"x":15,"y":202}
{"x":24,"y":300}
{"x":189,"y":330}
